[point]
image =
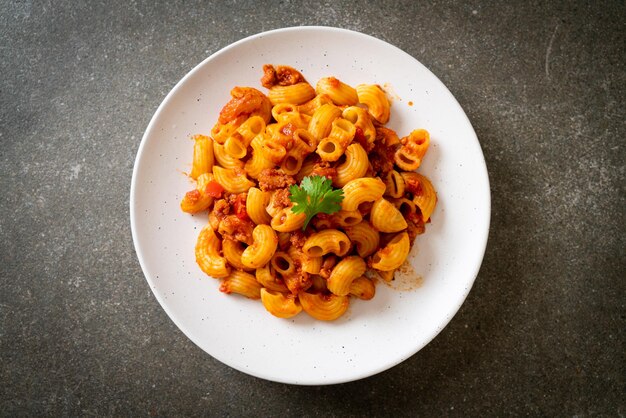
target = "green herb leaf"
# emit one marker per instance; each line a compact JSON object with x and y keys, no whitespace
{"x":315,"y":195}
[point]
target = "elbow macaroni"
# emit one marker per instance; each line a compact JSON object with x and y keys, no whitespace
{"x":339,"y":92}
{"x":280,"y":304}
{"x":361,"y":119}
{"x":266,"y":276}
{"x":322,"y":120}
{"x":394,"y":184}
{"x":237,"y":144}
{"x":256,"y":202}
{"x":208,"y":254}
{"x":202,"y":156}
{"x":364,"y":237}
{"x":224,"y":159}
{"x":233,"y":251}
{"x":232,"y":179}
{"x":361,"y":190}
{"x":385,"y":217}
{"x":393,"y":255}
{"x":287,"y":221}
{"x":243,"y":283}
{"x":354,"y":167}
{"x":424,"y":195}
{"x":253,"y":241}
{"x":295,"y":94}
{"x":363,"y":288}
{"x":262,"y":249}
{"x":344,"y":273}
{"x":327,"y":241}
{"x":258,"y":162}
{"x":198,"y":200}
{"x":303,"y":144}
{"x":409,"y":156}
{"x":310,"y":265}
{"x":377,"y":103}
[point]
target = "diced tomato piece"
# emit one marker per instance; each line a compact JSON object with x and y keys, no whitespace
{"x":240,"y":207}
{"x":214,"y":189}
{"x":359,"y":136}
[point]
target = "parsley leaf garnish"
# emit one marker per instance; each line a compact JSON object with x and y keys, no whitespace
{"x":315,"y":195}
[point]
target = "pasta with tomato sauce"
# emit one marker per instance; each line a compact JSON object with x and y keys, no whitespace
{"x":309,"y":196}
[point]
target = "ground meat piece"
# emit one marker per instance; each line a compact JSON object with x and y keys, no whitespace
{"x":280,"y":199}
{"x":269,"y":76}
{"x":386,"y":136}
{"x":298,"y":238}
{"x":221,"y":208}
{"x":415,"y":227}
{"x":232,"y":227}
{"x":298,"y":281}
{"x":323,"y":216}
{"x":226,"y":221}
{"x":288,"y":76}
{"x":323,"y":168}
{"x":380,"y":164}
{"x":245,"y":101}
{"x":272,"y":179}
{"x":360,"y":138}
{"x":382,"y":158}
{"x":282,"y":75}
{"x":413,"y":185}
{"x":193,"y":196}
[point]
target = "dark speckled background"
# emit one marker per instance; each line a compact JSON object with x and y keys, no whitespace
{"x":543,"y":330}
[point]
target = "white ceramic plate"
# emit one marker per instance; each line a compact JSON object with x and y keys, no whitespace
{"x":374,"y":335}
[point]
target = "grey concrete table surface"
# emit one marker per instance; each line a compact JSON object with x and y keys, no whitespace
{"x":541,"y":333}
